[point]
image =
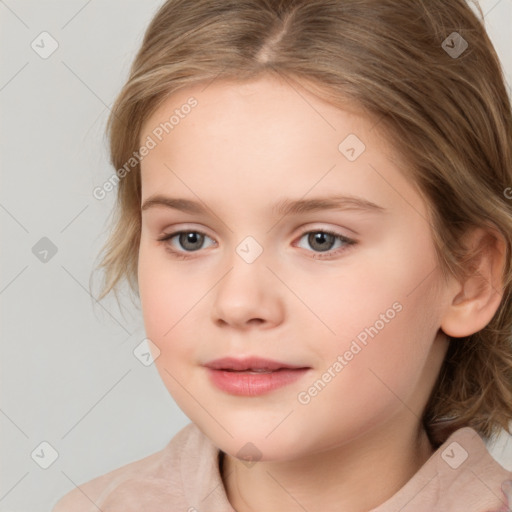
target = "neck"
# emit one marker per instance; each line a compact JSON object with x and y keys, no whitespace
{"x":356,"y":476}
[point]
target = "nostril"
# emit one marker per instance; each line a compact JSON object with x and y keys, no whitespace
{"x":257,"y":321}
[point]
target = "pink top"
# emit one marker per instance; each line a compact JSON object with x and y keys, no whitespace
{"x":184,"y":477}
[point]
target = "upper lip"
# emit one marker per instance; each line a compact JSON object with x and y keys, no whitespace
{"x":248,"y":363}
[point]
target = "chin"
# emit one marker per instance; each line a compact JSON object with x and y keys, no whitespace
{"x":253,"y":440}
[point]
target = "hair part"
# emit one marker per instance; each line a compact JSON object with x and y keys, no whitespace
{"x":449,"y":118}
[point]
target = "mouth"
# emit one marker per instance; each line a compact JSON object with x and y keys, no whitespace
{"x":252,"y":376}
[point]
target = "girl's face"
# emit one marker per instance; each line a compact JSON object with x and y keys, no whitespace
{"x":255,"y":178}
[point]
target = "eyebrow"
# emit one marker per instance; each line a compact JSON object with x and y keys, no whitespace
{"x":283,"y":207}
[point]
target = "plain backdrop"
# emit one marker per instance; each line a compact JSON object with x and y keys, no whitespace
{"x":74,"y":397}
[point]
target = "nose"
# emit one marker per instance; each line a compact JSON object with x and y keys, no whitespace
{"x":248,"y":296}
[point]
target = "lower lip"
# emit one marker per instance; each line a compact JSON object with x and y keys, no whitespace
{"x":254,"y":384}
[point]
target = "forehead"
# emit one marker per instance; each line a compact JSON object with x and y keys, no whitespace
{"x":269,"y":99}
{"x":263,"y":136}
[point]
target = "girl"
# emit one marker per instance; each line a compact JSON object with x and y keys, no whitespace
{"x":313,"y":211}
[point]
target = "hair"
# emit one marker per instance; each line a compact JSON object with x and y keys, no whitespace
{"x":448,"y":116}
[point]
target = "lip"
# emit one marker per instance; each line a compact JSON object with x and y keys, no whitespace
{"x":236,"y":376}
{"x":248,"y":363}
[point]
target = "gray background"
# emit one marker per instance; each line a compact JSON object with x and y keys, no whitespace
{"x":68,"y":373}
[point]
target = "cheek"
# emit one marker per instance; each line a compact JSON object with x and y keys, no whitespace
{"x":164,"y":295}
{"x":171,"y":297}
{"x":400,"y":269}
{"x":384,"y":312}
{"x":372,"y":369}
{"x":167,"y":299}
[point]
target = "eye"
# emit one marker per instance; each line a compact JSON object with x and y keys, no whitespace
{"x":324,"y":241}
{"x":321,"y":241}
{"x":190,"y":241}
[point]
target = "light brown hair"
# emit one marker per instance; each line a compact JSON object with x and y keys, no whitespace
{"x":448,"y":116}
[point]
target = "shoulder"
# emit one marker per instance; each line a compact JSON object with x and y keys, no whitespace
{"x":468,"y":476}
{"x":460,"y":475}
{"x":467,"y":447}
{"x":157,"y":476}
{"x":472,"y":471}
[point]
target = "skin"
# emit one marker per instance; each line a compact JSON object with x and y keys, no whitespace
{"x":243,"y":148}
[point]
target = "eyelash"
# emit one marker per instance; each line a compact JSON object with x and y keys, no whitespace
{"x":320,"y":255}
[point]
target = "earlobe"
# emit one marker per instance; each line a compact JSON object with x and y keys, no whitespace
{"x":476,"y":298}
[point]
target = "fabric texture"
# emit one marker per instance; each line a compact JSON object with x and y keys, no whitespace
{"x":460,"y":476}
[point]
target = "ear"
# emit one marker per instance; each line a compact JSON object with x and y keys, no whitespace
{"x":475,"y":299}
